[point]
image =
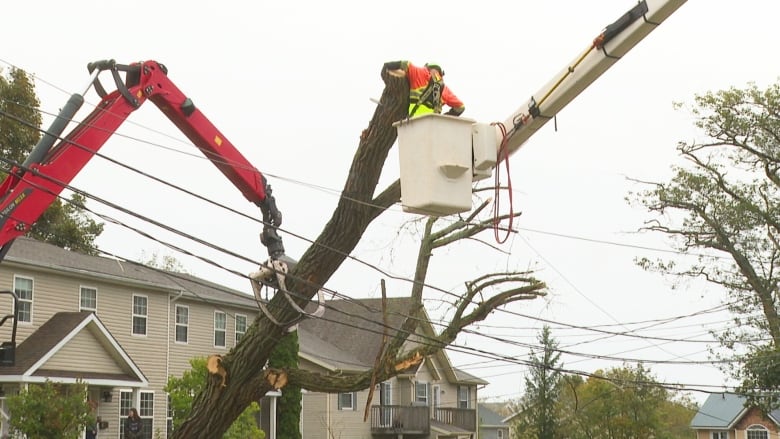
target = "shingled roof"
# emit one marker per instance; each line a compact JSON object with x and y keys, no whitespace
{"x":722,"y":410}
{"x":39,"y":254}
{"x":49,"y":338}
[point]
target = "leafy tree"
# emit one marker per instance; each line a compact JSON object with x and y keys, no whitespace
{"x":676,"y":414}
{"x":65,"y":224}
{"x":17,"y":100}
{"x":50,"y":410}
{"x":723,"y":204}
{"x":539,"y":408}
{"x":182,"y":391}
{"x":620,"y":403}
{"x":68,"y":226}
{"x":164,"y":262}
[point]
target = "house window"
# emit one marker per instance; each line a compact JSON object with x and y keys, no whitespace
{"x":23,"y":287}
{"x":240,"y":326}
{"x":140,"y":312}
{"x":182,"y":323}
{"x":88,"y":299}
{"x":757,"y":432}
{"x":500,"y":434}
{"x":125,"y":404}
{"x":347,"y":401}
{"x":720,"y":435}
{"x":220,"y":323}
{"x":463,"y":397}
{"x":146,"y":412}
{"x":421,"y":392}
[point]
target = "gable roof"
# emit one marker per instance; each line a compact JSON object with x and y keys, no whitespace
{"x":723,"y":411}
{"x":489,"y":418}
{"x":53,"y":336}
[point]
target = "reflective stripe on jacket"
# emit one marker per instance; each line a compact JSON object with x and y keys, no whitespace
{"x":419,"y":78}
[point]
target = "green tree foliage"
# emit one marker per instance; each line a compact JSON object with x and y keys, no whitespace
{"x":64,"y":224}
{"x":538,"y":408}
{"x":288,"y":417}
{"x":182,"y":391}
{"x":622,"y":403}
{"x":164,"y":262}
{"x":68,"y":226}
{"x":724,"y":205}
{"x":17,"y":101}
{"x":50,"y":410}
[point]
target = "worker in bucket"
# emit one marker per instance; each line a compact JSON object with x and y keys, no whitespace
{"x":427,"y":91}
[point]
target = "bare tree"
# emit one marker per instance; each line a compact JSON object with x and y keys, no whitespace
{"x":248,"y":379}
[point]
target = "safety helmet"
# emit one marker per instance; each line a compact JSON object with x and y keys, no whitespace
{"x":437,"y":67}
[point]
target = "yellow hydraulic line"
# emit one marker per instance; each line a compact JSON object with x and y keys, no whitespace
{"x":568,"y":72}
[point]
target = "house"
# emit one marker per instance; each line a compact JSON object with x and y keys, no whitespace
{"x":120,"y":327}
{"x":491,"y":423}
{"x":124,"y":328}
{"x":433,"y":400}
{"x":726,"y":416}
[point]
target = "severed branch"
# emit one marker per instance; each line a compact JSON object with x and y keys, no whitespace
{"x":473,"y":306}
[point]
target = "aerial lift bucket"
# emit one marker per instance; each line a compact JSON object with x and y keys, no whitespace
{"x":436,"y":164}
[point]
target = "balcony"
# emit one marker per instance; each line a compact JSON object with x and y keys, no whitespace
{"x":416,"y":420}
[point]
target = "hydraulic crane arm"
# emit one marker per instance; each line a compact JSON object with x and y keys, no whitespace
{"x":607,"y":48}
{"x":31,"y":187}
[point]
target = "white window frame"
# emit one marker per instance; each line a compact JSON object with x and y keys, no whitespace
{"x":352,"y":398}
{"x":426,"y":398}
{"x":25,"y":300}
{"x":500,"y":434}
{"x":750,"y":432}
{"x":719,"y":435}
{"x":146,"y":404}
{"x":467,"y":401}
{"x":144,"y":316}
{"x":241,"y":333}
{"x":126,"y":402}
{"x":146,"y":409}
{"x":222,"y":330}
{"x":435,"y":396}
{"x":181,"y":324}
{"x":82,"y":289}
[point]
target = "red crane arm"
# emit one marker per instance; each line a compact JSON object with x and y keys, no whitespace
{"x":31,"y":187}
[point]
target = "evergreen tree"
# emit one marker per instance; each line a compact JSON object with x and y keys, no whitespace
{"x":539,"y":417}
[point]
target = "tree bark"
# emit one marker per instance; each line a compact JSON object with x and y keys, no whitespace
{"x":215,"y":409}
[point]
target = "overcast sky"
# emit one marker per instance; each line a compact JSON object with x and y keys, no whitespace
{"x":290,"y":84}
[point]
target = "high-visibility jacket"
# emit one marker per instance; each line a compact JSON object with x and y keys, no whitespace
{"x":428,"y":85}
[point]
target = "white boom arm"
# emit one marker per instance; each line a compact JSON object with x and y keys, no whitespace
{"x":437,"y":151}
{"x":616,"y":40}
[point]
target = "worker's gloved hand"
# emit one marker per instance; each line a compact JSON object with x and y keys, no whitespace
{"x":455,"y":111}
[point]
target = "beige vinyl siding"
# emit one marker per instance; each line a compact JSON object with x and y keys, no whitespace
{"x":314,"y":416}
{"x":449,"y":394}
{"x":200,"y":333}
{"x":348,"y":424}
{"x":403,"y":391}
{"x":83,"y":352}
